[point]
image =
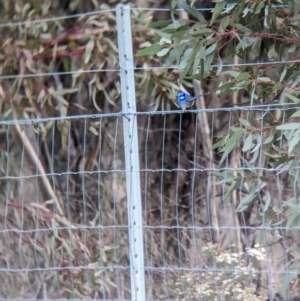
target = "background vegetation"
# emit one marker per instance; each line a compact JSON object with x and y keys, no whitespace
{"x":220,"y":187}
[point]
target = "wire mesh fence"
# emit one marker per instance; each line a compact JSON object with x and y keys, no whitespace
{"x":68,"y":227}
{"x":76,"y":244}
{"x":82,"y":230}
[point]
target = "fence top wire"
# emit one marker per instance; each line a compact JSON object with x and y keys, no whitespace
{"x":117,"y":69}
{"x":255,"y":107}
{"x":53,"y":19}
{"x":102,"y":11}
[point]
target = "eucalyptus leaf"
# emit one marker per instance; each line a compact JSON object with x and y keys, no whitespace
{"x":248,"y":143}
{"x":225,"y":22}
{"x":161,"y":23}
{"x":220,"y":66}
{"x":231,"y":143}
{"x":296,"y":114}
{"x":185,"y":58}
{"x":231,"y":72}
{"x":234,"y":185}
{"x":207,"y":61}
{"x":289,"y":126}
{"x":198,"y":57}
{"x":172,"y":57}
{"x":294,"y":141}
{"x":246,"y":123}
{"x":217,"y":11}
{"x":292,"y":97}
{"x":163,"y":52}
{"x":191,"y":10}
{"x":151,"y":50}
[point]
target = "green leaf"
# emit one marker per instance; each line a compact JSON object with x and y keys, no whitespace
{"x":185,"y":71}
{"x":289,"y":126}
{"x":255,"y":154}
{"x":259,"y":7}
{"x":181,"y":34}
{"x":201,"y":32}
{"x":162,"y":52}
{"x":258,"y":139}
{"x":234,"y":185}
{"x":293,"y":219}
{"x":296,"y":114}
{"x":231,"y":73}
{"x":242,"y":28}
{"x":200,"y":25}
{"x":231,"y":143}
{"x":179,"y":51}
{"x":245,"y":11}
{"x":217,"y":11}
{"x":269,"y":138}
{"x":172,"y":57}
{"x":164,"y":41}
{"x":244,"y":122}
{"x":199,"y":55}
{"x":151,"y":50}
{"x":161,"y":23}
{"x":292,"y":97}
{"x":176,"y":24}
{"x":295,"y":266}
{"x":237,"y":15}
{"x":291,"y":73}
{"x":185,"y":58}
{"x":220,"y":66}
{"x":272,"y":54}
{"x":281,"y":160}
{"x":191,"y":10}
{"x":210,"y":49}
{"x":218,"y":144}
{"x":248,"y":200}
{"x":163,"y":34}
{"x":224,"y":156}
{"x":264,"y":179}
{"x":248,"y":143}
{"x":207,"y":61}
{"x":225,"y":86}
{"x":282,"y":76}
{"x":294,"y":141}
{"x":202,"y":69}
{"x":227,"y":179}
{"x":267,"y":201}
{"x":199,"y":75}
{"x":225,"y":22}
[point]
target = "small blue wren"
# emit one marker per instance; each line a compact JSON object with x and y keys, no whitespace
{"x":185,"y":100}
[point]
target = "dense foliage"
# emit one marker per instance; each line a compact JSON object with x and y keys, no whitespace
{"x":64,"y":215}
{"x":264,"y":35}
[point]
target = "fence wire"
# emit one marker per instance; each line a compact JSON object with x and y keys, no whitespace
{"x":84,"y":248}
{"x":64,"y":229}
{"x":79,"y":72}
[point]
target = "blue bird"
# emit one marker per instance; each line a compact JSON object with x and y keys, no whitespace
{"x":186,"y":100}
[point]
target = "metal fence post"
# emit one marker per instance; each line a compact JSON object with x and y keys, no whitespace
{"x":131,"y":149}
